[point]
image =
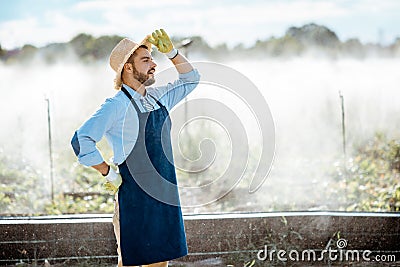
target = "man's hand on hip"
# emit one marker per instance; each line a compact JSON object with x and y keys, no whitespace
{"x":113,"y":182}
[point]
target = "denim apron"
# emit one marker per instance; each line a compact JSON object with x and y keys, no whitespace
{"x":150,"y":230}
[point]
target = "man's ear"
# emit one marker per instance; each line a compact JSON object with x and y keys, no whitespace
{"x":128,"y":67}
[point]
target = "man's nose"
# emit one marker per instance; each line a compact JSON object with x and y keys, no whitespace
{"x":153,"y":65}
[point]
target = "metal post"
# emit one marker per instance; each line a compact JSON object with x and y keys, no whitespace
{"x":50,"y":149}
{"x":343,"y":126}
{"x":345,"y":173}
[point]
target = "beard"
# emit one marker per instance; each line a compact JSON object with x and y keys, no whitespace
{"x":143,"y":78}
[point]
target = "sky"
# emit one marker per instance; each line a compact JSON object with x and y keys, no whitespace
{"x":39,"y":22}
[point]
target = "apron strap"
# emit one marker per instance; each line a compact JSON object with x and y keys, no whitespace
{"x":123,"y":89}
{"x":158,"y":102}
{"x":126,"y":92}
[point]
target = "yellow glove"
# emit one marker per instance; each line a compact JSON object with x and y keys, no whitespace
{"x":109,"y":187}
{"x":113,"y":182}
{"x":161,"y":40}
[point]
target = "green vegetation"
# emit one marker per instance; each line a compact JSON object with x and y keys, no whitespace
{"x":87,"y":196}
{"x":88,"y":48}
{"x":25,"y":191}
{"x":297,"y":41}
{"x":372,"y":178}
{"x":371,"y":182}
{"x":17,"y":180}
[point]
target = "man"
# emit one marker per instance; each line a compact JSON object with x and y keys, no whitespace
{"x":148,"y":220}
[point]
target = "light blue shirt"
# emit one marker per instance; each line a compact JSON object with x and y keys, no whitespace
{"x":117,"y":119}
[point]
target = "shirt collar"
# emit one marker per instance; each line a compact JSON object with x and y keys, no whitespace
{"x":134,"y":94}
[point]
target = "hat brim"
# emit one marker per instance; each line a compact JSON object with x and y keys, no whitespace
{"x":118,"y":78}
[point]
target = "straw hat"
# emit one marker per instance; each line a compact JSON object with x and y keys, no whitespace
{"x":120,"y":55}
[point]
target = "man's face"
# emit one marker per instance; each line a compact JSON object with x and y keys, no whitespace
{"x":144,"y":67}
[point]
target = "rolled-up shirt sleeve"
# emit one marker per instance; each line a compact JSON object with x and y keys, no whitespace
{"x":85,"y":138}
{"x":172,"y":93}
